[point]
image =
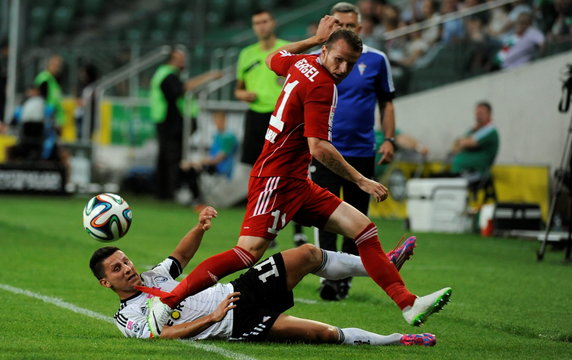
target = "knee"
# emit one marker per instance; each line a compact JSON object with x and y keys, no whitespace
{"x":328,"y":334}
{"x":312,"y":254}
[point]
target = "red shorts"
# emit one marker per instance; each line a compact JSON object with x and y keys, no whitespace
{"x":274,"y":201}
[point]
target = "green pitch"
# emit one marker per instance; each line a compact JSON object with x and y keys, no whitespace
{"x":505,"y":305}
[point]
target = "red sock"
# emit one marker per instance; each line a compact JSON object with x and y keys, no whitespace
{"x":380,"y":269}
{"x":208,"y":272}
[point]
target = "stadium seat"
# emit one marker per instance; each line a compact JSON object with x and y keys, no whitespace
{"x":39,"y":17}
{"x":165,"y":21}
{"x":185,"y":21}
{"x":242,"y":10}
{"x":219,"y":9}
{"x":62,"y":20}
{"x":92,"y":7}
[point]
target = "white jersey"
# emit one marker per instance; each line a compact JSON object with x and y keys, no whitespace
{"x":131,"y":318}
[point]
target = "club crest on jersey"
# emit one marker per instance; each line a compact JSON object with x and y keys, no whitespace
{"x":160,"y":279}
{"x":361,"y":67}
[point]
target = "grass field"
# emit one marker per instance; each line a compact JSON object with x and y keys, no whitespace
{"x":505,"y":304}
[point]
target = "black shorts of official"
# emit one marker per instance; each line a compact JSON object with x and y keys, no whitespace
{"x":264,"y":296}
{"x":255,"y":126}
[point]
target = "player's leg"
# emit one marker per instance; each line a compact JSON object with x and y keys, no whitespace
{"x":290,"y":328}
{"x":330,"y":265}
{"x":211,"y":270}
{"x":348,"y":221}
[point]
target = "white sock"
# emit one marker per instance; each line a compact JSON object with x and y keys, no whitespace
{"x":339,"y":265}
{"x":354,"y":336}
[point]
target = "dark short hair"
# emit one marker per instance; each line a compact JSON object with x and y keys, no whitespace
{"x":96,"y":261}
{"x":261,"y":11}
{"x":345,"y":7}
{"x":486,"y":105}
{"x":351,"y":38}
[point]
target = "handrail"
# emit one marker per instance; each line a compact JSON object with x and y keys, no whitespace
{"x":440,"y":19}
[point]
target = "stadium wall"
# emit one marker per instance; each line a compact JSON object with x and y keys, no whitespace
{"x":525,"y":110}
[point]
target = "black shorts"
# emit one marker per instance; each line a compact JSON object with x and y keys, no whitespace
{"x":264,"y":296}
{"x":255,"y":126}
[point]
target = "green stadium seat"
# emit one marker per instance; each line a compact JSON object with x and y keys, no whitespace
{"x":158,"y":35}
{"x":185,"y":20}
{"x":92,"y":7}
{"x":39,"y":17}
{"x":268,"y":4}
{"x":165,"y":21}
{"x":134,"y":34}
{"x":219,"y":9}
{"x":72,"y":5}
{"x":242,"y":10}
{"x":62,"y":20}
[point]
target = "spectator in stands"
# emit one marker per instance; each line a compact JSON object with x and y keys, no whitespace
{"x":46,"y":81}
{"x":394,"y":48}
{"x":474,"y":153}
{"x":498,"y":20}
{"x":219,"y":161}
{"x":430,"y":35}
{"x":415,"y":48}
{"x":521,"y":46}
{"x":257,"y":85}
{"x":452,"y":30}
{"x":561,"y":29}
{"x":167,"y":108}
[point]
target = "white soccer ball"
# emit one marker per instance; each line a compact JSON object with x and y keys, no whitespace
{"x":107,"y":217}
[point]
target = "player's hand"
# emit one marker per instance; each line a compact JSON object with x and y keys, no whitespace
{"x":228,"y":303}
{"x":328,"y":24}
{"x":205,"y":217}
{"x":375,"y":189}
{"x":386,"y":150}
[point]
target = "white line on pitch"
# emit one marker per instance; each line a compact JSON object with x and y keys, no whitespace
{"x":109,"y":319}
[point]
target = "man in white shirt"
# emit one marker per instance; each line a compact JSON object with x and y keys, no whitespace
{"x":250,"y":308}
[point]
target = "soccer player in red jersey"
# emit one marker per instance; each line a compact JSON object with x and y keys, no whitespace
{"x":280,"y":190}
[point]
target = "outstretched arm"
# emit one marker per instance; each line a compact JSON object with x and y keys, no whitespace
{"x":327,"y":154}
{"x":190,"y":243}
{"x":195,"y":327}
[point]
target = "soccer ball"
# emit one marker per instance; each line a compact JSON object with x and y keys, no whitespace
{"x":107,"y":217}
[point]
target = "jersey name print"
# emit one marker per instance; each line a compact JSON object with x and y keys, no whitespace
{"x":307,"y":69}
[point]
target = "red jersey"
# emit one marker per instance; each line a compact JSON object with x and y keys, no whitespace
{"x":304,"y":109}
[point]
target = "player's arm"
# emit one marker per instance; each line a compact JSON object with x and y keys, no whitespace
{"x":328,"y":24}
{"x":387,"y":148}
{"x":195,"y":327}
{"x":327,"y":154}
{"x":190,"y":243}
{"x":202,"y":79}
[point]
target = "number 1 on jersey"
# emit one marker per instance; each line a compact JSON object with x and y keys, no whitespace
{"x":276,"y":120}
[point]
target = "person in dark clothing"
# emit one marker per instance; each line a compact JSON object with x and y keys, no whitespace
{"x":167,"y":105}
